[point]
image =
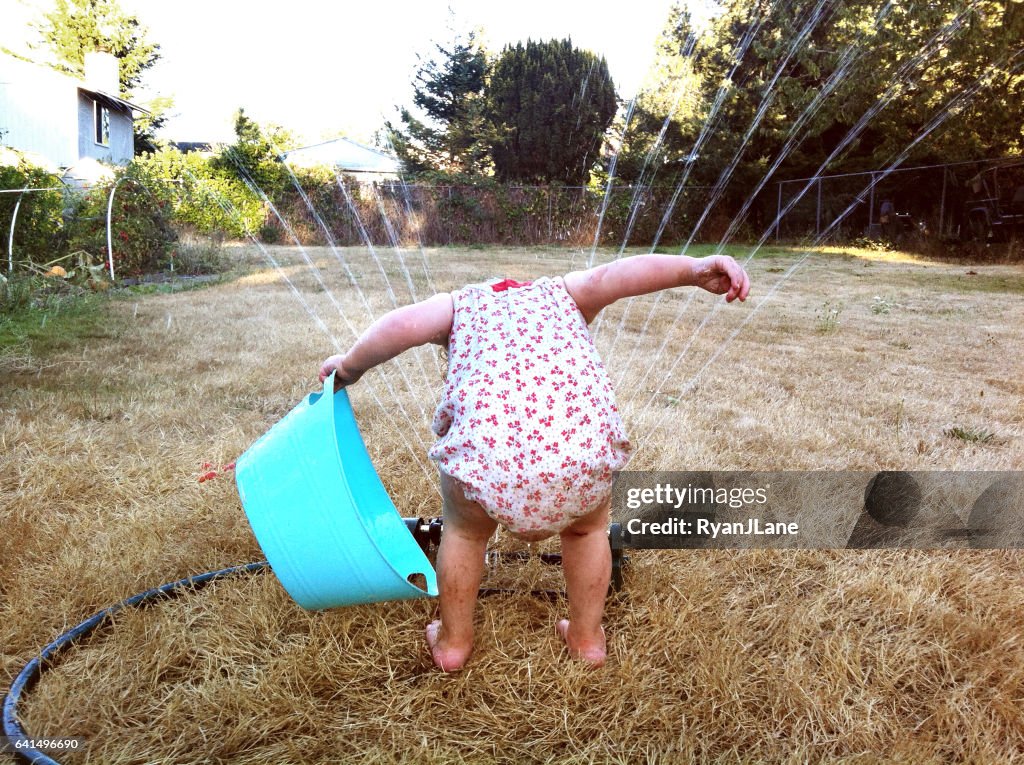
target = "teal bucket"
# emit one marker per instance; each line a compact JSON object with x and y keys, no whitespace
{"x":321,"y":515}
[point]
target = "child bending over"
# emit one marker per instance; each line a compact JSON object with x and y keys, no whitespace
{"x":528,"y":432}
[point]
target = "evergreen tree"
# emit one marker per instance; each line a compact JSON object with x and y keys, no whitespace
{"x":256,"y":154}
{"x":447,"y":91}
{"x":76,"y":27}
{"x":550,"y":105}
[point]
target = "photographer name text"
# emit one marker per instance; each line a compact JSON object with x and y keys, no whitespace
{"x":704,"y":527}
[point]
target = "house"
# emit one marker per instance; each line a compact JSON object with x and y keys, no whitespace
{"x":70,"y":126}
{"x":348,"y":157}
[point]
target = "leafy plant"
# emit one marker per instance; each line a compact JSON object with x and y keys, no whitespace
{"x":202,"y":197}
{"x":880,"y":305}
{"x":970,"y":435}
{"x":39,"y":225}
{"x":140,"y":233}
{"x":827,"y":317}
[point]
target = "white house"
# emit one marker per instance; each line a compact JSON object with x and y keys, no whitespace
{"x":71,"y":126}
{"x":348,"y":157}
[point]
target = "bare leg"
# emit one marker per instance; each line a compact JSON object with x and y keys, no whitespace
{"x":460,"y":566}
{"x":587,"y":563}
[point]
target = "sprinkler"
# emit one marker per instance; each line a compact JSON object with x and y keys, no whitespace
{"x":428,"y":533}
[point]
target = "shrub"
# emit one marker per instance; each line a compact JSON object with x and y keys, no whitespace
{"x":141,"y":234}
{"x":39,"y":225}
{"x":202,"y":197}
{"x":198,"y":259}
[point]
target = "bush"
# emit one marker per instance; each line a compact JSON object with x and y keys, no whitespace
{"x":202,"y":197}
{"x":39,"y":225}
{"x":141,"y":234}
{"x":198,"y":259}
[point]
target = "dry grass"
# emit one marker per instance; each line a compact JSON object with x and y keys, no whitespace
{"x":729,"y":656}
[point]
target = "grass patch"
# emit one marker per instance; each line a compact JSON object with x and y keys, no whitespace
{"x":40,"y":315}
{"x":738,"y":251}
{"x":42,"y":319}
{"x":989,"y":283}
{"x":970,"y":435}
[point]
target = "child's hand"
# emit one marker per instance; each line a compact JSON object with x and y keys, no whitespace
{"x":342,"y":377}
{"x":722,"y":275}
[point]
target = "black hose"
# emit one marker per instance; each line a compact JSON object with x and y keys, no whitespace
{"x":34,"y":669}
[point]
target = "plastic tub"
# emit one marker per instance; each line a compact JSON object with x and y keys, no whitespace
{"x":321,"y":515}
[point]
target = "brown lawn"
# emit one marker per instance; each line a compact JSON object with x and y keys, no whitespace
{"x":859,"y":360}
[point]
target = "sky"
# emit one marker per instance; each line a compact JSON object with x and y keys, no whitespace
{"x":322,"y":69}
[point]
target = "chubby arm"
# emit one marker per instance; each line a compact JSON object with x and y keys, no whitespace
{"x":429,"y":321}
{"x":598,"y":287}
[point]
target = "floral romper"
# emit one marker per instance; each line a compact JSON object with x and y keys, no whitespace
{"x":527,"y":423}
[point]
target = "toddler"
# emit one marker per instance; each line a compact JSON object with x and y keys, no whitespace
{"x":528,"y":432}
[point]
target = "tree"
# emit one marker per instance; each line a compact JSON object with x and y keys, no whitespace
{"x":76,"y":27}
{"x":550,"y":105}
{"x":850,"y":84}
{"x":256,"y":154}
{"x":657,"y":141}
{"x":448,"y":92}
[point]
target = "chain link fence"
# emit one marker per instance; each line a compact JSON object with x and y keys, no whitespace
{"x":956,"y":201}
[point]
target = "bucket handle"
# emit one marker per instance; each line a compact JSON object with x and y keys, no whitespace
{"x":328,"y":389}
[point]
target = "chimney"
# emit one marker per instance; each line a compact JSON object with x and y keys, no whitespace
{"x":101,"y":72}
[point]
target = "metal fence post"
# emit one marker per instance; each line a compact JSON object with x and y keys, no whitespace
{"x":942,"y":205}
{"x":871,"y":203}
{"x":778,"y":212}
{"x":551,"y":227}
{"x":817,"y":215}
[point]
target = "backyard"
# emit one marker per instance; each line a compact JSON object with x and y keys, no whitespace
{"x":859,"y":360}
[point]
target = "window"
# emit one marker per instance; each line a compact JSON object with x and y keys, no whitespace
{"x":101,"y":118}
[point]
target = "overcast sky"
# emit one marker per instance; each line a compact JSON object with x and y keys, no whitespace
{"x":318,"y":67}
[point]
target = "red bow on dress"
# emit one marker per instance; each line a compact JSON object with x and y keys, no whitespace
{"x":506,"y":283}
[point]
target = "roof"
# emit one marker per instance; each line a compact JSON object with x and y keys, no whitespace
{"x":22,"y":64}
{"x":346,"y":155}
{"x":112,"y":101}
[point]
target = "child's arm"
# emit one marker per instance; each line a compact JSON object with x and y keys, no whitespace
{"x":429,"y":321}
{"x":598,"y":287}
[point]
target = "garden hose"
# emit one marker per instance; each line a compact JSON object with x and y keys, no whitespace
{"x":32,"y":671}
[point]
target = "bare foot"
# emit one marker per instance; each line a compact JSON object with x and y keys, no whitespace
{"x":448,"y":658}
{"x":592,"y":651}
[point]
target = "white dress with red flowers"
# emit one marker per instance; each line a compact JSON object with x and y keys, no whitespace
{"x":527,"y":423}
